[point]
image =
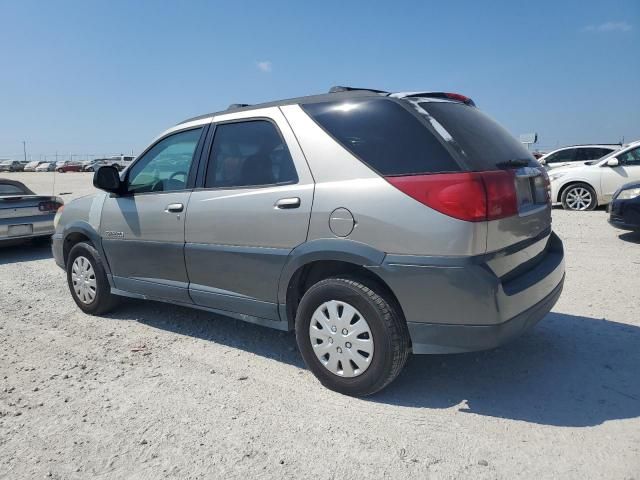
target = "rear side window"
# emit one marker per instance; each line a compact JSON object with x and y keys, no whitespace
{"x":567,"y":155}
{"x":383,"y":135}
{"x":481,"y":142}
{"x":246,"y":154}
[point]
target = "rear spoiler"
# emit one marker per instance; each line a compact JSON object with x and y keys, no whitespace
{"x":444,"y":95}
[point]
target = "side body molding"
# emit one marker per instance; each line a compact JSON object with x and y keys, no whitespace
{"x":336,"y":249}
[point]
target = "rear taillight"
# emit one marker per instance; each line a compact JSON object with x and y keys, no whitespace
{"x":469,"y":196}
{"x":49,"y":206}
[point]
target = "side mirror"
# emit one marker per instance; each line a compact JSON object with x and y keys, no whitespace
{"x":613,"y":162}
{"x":107,"y":178}
{"x":542,"y":161}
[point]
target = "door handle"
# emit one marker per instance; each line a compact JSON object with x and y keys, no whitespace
{"x":285,"y":203}
{"x":174,"y":208}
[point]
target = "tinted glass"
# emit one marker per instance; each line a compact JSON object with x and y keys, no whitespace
{"x":482,"y":143}
{"x":590,"y":153}
{"x":632,"y":157}
{"x":166,"y":165}
{"x":567,"y":155}
{"x":246,"y":154}
{"x":383,"y":135}
{"x":6,"y":189}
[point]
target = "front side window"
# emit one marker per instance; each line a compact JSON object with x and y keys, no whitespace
{"x":250,"y":153}
{"x":165,"y":167}
{"x":632,"y":157}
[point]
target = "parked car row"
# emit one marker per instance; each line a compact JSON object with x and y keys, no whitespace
{"x":118,"y":161}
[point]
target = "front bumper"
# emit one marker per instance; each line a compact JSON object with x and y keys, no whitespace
{"x":57,"y":243}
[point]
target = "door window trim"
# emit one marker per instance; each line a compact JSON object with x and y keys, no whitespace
{"x":191,"y":175}
{"x":206,"y":153}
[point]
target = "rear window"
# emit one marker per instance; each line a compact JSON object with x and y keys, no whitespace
{"x":384,"y":135}
{"x":479,"y":140}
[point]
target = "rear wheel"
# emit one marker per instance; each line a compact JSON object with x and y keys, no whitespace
{"x":353,"y":339}
{"x":88,"y":281}
{"x":579,"y":196}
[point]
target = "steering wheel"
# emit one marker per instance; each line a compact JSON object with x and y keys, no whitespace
{"x":175,"y":174}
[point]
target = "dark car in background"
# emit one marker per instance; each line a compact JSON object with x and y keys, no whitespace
{"x":624,"y":210}
{"x":24,"y":214}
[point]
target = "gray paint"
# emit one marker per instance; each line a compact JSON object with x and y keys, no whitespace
{"x":437,"y":339}
{"x":143,"y":240}
{"x":250,"y":272}
{"x":154,"y":290}
{"x":341,"y":222}
{"x":343,"y":250}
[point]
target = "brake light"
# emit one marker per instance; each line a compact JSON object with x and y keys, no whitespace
{"x":49,"y":206}
{"x":469,"y":196}
{"x":457,"y":96}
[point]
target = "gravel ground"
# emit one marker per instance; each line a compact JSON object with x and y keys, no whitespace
{"x":159,"y":391}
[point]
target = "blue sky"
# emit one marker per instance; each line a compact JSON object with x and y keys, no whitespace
{"x":106,"y":77}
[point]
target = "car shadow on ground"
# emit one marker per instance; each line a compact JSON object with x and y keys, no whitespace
{"x":568,"y":371}
{"x":24,"y":251}
{"x":631,"y":237}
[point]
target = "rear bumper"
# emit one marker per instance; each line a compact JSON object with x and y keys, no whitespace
{"x":459,"y":305}
{"x":42,"y":226}
{"x":435,"y":338}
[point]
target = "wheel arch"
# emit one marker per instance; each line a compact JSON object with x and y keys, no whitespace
{"x":320,"y":259}
{"x":570,"y":183}
{"x":79,"y":232}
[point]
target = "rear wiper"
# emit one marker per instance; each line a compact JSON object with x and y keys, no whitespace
{"x":512,"y":163}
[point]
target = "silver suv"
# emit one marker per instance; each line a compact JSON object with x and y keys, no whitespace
{"x":372,"y":224}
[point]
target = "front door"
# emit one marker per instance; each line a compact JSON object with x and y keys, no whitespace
{"x":143,"y":230}
{"x":252,"y":209}
{"x":627,"y":171}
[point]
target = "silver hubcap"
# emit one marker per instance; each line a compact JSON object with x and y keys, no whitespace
{"x":84,"y":279}
{"x":578,"y":198}
{"x":341,"y":339}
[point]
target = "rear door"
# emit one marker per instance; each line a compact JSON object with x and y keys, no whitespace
{"x":143,"y":231}
{"x":251,"y":209}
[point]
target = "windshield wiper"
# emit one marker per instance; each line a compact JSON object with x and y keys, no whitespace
{"x":512,"y":163}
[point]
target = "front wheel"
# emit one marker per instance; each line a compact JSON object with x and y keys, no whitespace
{"x":88,"y":281}
{"x":351,"y":336}
{"x":579,"y":196}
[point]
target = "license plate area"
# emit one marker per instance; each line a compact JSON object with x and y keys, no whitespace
{"x":20,"y":230}
{"x":531,"y":190}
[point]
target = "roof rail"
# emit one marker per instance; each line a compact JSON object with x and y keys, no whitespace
{"x":233,"y":106}
{"x":339,"y":88}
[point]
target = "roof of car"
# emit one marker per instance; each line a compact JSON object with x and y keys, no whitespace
{"x":336,"y":94}
{"x":324,"y":97}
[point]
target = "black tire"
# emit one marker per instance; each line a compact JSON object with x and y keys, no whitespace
{"x":103,"y":300}
{"x":575,"y":188}
{"x":389,"y":330}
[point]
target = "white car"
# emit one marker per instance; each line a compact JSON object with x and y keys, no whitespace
{"x":584,"y":187}
{"x":31,"y":166}
{"x":576,"y":154}
{"x":46,"y":167}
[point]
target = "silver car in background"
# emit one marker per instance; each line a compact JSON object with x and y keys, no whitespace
{"x":372,"y":224}
{"x":24,"y":214}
